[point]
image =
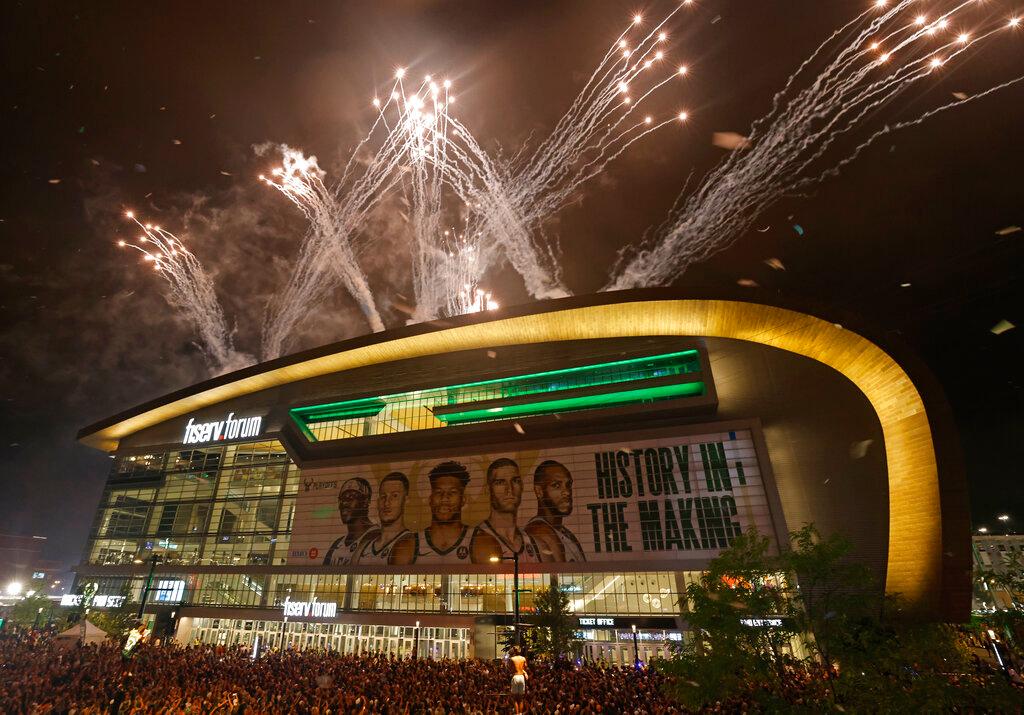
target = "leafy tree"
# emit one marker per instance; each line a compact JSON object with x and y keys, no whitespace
{"x":555,"y":627}
{"x":866,"y":655}
{"x":26,"y":612}
{"x":731,"y":651}
{"x":117,"y":621}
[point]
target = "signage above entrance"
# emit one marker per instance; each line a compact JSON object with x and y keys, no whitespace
{"x":309,"y":609}
{"x":228,"y":428}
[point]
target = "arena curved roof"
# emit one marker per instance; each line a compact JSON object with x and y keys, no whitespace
{"x":927,"y":490}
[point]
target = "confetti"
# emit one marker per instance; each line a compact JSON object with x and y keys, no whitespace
{"x":176,"y":142}
{"x":775,"y":263}
{"x":225,"y":173}
{"x":95,"y":162}
{"x":799,"y":229}
{"x":54,"y":181}
{"x":1008,"y":230}
{"x":492,"y":354}
{"x":519,"y":428}
{"x":904,"y":285}
{"x":747,"y":283}
{"x":764,"y":230}
{"x":859,"y":450}
{"x":140,"y":168}
{"x":961,"y":95}
{"x":213,"y":115}
{"x":1001,"y":327}
{"x":729,"y":140}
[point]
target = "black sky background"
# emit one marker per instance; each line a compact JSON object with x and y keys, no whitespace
{"x":97,"y":95}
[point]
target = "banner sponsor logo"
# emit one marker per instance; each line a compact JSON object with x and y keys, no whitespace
{"x":75,"y":599}
{"x":227,"y":428}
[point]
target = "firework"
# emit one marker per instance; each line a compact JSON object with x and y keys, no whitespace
{"x":191,"y":290}
{"x":831,"y":99}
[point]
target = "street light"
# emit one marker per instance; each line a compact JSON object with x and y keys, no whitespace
{"x":514,"y":558}
{"x":416,"y":641}
{"x":153,"y":561}
{"x":982,"y":529}
{"x":636,"y":650}
{"x":1003,"y":517}
{"x":14,"y":588}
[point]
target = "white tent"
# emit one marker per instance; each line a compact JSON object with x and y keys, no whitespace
{"x":93,"y":634}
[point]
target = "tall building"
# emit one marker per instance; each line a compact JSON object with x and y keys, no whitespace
{"x":996,"y":554}
{"x":374,"y":494}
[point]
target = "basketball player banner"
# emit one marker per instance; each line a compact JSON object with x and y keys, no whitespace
{"x":664,"y":499}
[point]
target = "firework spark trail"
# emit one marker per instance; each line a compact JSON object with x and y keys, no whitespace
{"x":511,"y":202}
{"x":885,"y":56}
{"x":192,"y":291}
{"x":336,"y":215}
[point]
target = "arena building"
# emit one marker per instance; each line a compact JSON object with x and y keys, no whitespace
{"x":372,"y":494}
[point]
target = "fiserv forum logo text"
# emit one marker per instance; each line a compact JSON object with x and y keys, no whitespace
{"x":229,"y":428}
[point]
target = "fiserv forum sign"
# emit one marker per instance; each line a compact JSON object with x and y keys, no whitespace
{"x":227,"y":428}
{"x":651,"y":500}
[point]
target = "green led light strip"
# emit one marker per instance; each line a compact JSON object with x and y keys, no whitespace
{"x":569,"y":404}
{"x":586,"y":368}
{"x":340,"y":410}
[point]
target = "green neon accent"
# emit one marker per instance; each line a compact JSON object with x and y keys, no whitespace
{"x":568,"y":404}
{"x":666,"y":357}
{"x":350,"y":409}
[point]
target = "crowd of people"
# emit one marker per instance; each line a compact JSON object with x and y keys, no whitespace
{"x":39,"y":676}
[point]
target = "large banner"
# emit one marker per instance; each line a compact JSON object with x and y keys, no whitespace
{"x":650,"y":500}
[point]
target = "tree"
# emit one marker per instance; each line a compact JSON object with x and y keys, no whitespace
{"x":117,"y":621}
{"x":32,"y":610}
{"x":555,"y":628}
{"x":733,"y":648}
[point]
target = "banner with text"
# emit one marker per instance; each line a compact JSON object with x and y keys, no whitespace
{"x":661,"y":499}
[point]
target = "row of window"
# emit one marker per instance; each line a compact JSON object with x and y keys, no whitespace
{"x":652,"y":593}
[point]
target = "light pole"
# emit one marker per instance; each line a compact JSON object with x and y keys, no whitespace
{"x":514,"y":558}
{"x":153,"y":561}
{"x":416,"y":641}
{"x":636,"y":650}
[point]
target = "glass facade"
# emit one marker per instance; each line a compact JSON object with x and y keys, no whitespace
{"x":226,"y":505}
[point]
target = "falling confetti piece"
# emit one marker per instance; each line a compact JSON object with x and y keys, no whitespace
{"x":148,"y":195}
{"x":54,"y":181}
{"x":519,"y":428}
{"x":257,"y":57}
{"x":1001,"y":327}
{"x":163,"y":109}
{"x":94,"y":162}
{"x":225,"y":173}
{"x":729,"y":140}
{"x":717,"y":18}
{"x":81,"y":130}
{"x":1008,"y":230}
{"x":837,"y":326}
{"x":961,"y":95}
{"x":213,"y":115}
{"x":764,"y":230}
{"x":491,"y":354}
{"x":904,"y":285}
{"x":775,"y":263}
{"x":176,"y":142}
{"x":859,"y":450}
{"x":799,"y":229}
{"x":140,"y":168}
{"x":747,"y":283}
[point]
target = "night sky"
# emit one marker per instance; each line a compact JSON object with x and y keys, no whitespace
{"x":158,"y":107}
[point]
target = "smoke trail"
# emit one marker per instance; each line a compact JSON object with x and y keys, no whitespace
{"x":511,"y":202}
{"x":867,"y":63}
{"x":192,"y":291}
